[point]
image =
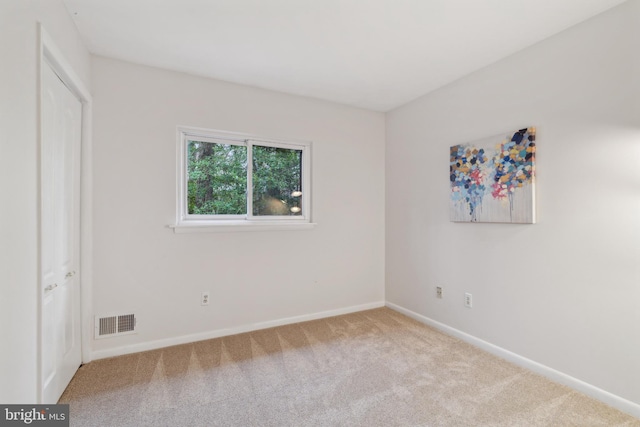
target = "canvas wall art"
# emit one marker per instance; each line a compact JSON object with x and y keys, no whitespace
{"x":493,"y":179}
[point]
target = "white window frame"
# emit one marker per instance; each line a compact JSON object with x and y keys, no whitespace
{"x":186,"y":222}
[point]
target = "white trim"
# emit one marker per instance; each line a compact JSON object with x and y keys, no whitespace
{"x":56,"y":59}
{"x":186,"y":339}
{"x":249,"y":213}
{"x":227,"y":226}
{"x":237,"y":136}
{"x":590,"y":390}
{"x":50,"y":54}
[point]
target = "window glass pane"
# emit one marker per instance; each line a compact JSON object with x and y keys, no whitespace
{"x":277,"y":181}
{"x":217,"y":179}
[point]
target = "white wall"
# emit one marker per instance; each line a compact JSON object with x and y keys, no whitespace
{"x":142,"y":266}
{"x":19,"y":181}
{"x":564,"y":292}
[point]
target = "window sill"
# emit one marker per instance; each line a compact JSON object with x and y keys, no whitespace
{"x":229,"y":226}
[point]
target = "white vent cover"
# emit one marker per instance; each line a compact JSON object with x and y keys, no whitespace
{"x":111,"y":326}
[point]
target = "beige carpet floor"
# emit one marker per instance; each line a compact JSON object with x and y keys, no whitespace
{"x":373,"y":368}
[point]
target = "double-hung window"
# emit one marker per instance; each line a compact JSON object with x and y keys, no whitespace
{"x":227,"y":179}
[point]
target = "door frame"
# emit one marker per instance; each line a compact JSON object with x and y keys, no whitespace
{"x":51,"y":55}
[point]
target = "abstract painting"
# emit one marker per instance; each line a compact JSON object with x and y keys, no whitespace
{"x":493,"y":179}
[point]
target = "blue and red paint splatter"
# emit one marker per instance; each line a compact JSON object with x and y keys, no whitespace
{"x":475,"y":172}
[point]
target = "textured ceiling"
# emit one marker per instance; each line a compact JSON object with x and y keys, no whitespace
{"x":374,"y":54}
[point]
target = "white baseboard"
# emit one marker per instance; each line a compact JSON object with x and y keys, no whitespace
{"x":185,"y":339}
{"x":604,"y":396}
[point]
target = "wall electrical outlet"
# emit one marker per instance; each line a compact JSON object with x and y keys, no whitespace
{"x":204,"y":300}
{"x":468,"y":300}
{"x":438,"y":291}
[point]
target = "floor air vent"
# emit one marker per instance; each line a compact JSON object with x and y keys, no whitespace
{"x":112,"y":326}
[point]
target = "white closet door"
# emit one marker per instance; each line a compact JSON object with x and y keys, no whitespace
{"x":60,"y":233}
